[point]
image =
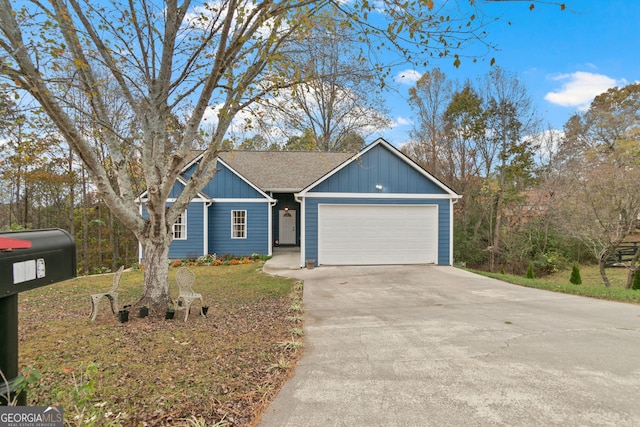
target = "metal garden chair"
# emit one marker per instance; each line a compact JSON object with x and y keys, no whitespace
{"x":112,"y":296}
{"x":185,"y":279}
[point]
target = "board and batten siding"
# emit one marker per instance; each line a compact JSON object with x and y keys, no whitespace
{"x":227,"y":184}
{"x":378,"y":166}
{"x":257,"y":240}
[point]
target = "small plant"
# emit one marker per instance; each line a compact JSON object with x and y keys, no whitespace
{"x":194,"y":421}
{"x":530,"y":274}
{"x":296,"y":307}
{"x":636,"y":281}
{"x":21,"y":384}
{"x":297,"y":332}
{"x":575,"y":274}
{"x":281,"y":364}
{"x":502,"y":269}
{"x":294,"y":319}
{"x":87,"y":413}
{"x":208,"y":260}
{"x":100,"y":270}
{"x":292,"y":345}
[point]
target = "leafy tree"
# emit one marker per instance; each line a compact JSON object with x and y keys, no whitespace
{"x":600,"y":171}
{"x":172,"y":62}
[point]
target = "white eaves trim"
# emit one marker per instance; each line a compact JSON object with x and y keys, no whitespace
{"x":380,"y":196}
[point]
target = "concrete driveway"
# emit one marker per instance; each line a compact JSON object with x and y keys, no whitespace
{"x":437,"y":346}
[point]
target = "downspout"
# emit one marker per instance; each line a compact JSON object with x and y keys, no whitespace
{"x":453,"y":202}
{"x":140,"y":244}
{"x":303,"y":232}
{"x":270,"y":225}
{"x":205,"y":227}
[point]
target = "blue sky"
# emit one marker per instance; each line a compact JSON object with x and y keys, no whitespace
{"x":565,"y":58}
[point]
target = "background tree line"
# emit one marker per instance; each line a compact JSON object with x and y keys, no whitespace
{"x":302,"y":78}
{"x":530,"y":196}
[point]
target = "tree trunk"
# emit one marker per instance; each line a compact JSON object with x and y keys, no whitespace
{"x":495,"y":246}
{"x":633,"y":267}
{"x":156,"y":274}
{"x":85,"y":225}
{"x":603,"y":271}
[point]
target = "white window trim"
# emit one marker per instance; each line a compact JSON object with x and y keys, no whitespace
{"x":183,"y":225}
{"x":244,"y":223}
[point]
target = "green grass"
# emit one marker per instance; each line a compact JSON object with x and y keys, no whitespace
{"x":155,"y":371}
{"x":592,"y":285}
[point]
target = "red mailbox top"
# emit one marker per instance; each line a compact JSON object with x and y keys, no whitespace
{"x":8,"y":244}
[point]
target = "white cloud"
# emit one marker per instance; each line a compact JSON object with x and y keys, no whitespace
{"x":579,"y":89}
{"x":408,"y":77}
{"x":402,"y":121}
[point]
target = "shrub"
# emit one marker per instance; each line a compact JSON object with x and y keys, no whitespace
{"x":530,"y":274}
{"x":575,"y":274}
{"x":502,"y":269}
{"x":636,"y":281}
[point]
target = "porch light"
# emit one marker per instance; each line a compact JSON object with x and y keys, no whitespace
{"x":378,"y":187}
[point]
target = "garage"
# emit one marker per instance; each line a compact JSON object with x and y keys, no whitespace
{"x":377,"y":234}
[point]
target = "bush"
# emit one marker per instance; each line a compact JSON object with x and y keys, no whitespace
{"x":636,"y":281}
{"x":575,"y":274}
{"x":530,"y":274}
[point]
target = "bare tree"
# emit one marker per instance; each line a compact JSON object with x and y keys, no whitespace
{"x":508,"y":154}
{"x":340,"y":96}
{"x":429,"y":98}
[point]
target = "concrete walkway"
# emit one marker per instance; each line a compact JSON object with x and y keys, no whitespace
{"x":437,"y":346}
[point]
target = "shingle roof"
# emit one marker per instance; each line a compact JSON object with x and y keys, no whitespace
{"x":283,"y":171}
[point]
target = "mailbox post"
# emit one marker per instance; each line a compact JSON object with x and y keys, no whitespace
{"x":28,"y":260}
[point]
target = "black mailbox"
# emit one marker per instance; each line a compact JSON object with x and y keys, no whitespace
{"x":50,"y":259}
{"x":29,"y":259}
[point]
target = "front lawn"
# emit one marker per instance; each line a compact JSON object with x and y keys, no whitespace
{"x":224,"y":368}
{"x":592,"y":285}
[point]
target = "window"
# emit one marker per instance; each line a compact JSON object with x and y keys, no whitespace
{"x":238,"y":224}
{"x":180,"y":227}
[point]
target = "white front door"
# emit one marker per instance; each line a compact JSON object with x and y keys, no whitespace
{"x":287,"y":227}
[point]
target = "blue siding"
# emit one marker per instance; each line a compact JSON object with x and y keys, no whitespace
{"x":226,"y":184}
{"x":193,"y":246}
{"x":257,"y":241}
{"x":379,"y":166}
{"x":311,"y":221}
{"x":176,"y":190}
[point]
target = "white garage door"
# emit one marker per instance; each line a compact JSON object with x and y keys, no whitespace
{"x":377,"y":234}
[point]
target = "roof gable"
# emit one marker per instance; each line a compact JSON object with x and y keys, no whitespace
{"x":380,"y":168}
{"x":228,"y":183}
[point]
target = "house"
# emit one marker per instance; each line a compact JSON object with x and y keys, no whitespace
{"x":373,"y":207}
